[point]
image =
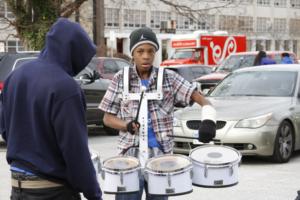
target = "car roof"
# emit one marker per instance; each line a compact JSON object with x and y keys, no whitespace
{"x":275,"y":67}
{"x":256,"y":52}
{"x":8,"y":60}
{"x":186,"y":65}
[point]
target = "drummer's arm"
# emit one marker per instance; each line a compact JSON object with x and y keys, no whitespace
{"x":113,"y":121}
{"x":199,"y":98}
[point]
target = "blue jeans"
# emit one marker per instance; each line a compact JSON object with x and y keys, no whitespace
{"x":138,"y":195}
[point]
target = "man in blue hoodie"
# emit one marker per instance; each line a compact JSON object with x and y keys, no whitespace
{"x":286,"y":59}
{"x":43,"y":120}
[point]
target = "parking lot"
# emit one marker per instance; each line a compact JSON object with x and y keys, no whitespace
{"x":258,"y":180}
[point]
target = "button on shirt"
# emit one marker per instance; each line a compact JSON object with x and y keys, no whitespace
{"x":175,"y":90}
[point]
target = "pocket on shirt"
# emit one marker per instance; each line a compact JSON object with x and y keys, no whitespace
{"x":128,"y":109}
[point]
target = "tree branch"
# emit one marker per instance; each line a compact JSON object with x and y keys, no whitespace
{"x":69,"y":9}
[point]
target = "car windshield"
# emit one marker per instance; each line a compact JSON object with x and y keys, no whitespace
{"x":257,"y":83}
{"x":234,"y":62}
{"x":190,"y":73}
{"x":182,"y":54}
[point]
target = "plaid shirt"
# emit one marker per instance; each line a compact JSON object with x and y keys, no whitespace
{"x":175,"y":90}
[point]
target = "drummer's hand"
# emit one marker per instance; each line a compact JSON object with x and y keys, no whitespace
{"x":207,"y":129}
{"x":133,"y":127}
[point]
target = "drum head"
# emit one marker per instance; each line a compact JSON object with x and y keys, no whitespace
{"x":168,"y":163}
{"x":121,"y":163}
{"x":215,"y":155}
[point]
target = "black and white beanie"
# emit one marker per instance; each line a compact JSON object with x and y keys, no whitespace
{"x":142,"y":36}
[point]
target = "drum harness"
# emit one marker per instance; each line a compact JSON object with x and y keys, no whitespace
{"x":142,"y":112}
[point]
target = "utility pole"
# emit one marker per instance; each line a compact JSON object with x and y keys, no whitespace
{"x":98,"y":26}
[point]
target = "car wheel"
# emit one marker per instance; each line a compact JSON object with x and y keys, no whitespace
{"x":284,"y":143}
{"x":110,"y":131}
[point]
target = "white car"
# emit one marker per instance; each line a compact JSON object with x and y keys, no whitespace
{"x":258,"y":113}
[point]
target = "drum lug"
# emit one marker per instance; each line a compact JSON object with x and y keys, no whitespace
{"x":231,"y":170}
{"x":146,"y":177}
{"x":169,"y":180}
{"x":99,"y":167}
{"x":122,"y":178}
{"x":103,"y":175}
{"x":205,"y":171}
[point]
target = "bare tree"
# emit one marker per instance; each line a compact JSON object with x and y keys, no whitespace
{"x":33,"y":18}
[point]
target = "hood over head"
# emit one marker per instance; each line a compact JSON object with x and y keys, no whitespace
{"x":68,"y":46}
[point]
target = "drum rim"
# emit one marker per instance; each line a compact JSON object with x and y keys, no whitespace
{"x":121,"y":170}
{"x":238,"y":160}
{"x":168,"y":172}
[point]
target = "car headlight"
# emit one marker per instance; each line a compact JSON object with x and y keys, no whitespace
{"x":254,"y":122}
{"x":176,"y":122}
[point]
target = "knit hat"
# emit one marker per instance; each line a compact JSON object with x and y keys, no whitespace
{"x":142,"y":36}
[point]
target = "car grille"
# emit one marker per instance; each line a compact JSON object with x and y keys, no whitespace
{"x":195,"y":124}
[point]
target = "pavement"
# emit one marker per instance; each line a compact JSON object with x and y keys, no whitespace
{"x":258,"y":179}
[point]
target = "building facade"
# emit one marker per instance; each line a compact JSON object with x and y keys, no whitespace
{"x":268,"y":24}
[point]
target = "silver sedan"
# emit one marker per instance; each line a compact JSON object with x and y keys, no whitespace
{"x":258,"y":113}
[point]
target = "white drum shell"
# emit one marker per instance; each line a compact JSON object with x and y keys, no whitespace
{"x":215,"y":176}
{"x":113,"y":184}
{"x":170,"y":185}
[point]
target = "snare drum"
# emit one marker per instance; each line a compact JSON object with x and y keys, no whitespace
{"x":121,"y":175}
{"x":215,"y":166}
{"x":169,"y":175}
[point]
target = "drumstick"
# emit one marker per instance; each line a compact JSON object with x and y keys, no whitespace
{"x":143,"y":89}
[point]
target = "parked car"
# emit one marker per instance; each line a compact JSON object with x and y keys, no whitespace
{"x":94,"y":80}
{"x":236,"y":61}
{"x":258,"y":113}
{"x":190,"y":71}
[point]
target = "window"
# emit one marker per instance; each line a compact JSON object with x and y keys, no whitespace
{"x":286,"y":45}
{"x":4,"y":11}
{"x":183,"y":22}
{"x":14,"y":45}
{"x":228,"y":23}
{"x":263,"y":2}
{"x":112,"y":17}
{"x":279,"y":25}
{"x":121,"y":64}
{"x":277,"y":45}
{"x":227,"y":1}
{"x":295,"y":3}
{"x":246,"y":1}
{"x":157,"y":17}
{"x":295,"y":44}
{"x":280,"y":3}
{"x":206,"y":22}
{"x":294,"y":26}
{"x":262,"y":24}
{"x":134,"y":18}
{"x":245,"y":24}
{"x":110,"y":67}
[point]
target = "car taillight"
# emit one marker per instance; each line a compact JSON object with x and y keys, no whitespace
{"x":1,"y":85}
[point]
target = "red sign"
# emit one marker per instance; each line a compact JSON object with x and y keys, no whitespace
{"x":219,"y":47}
{"x":184,"y":44}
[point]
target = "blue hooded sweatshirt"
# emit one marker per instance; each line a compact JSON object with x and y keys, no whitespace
{"x":43,"y":112}
{"x":267,"y":61}
{"x":286,"y":60}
